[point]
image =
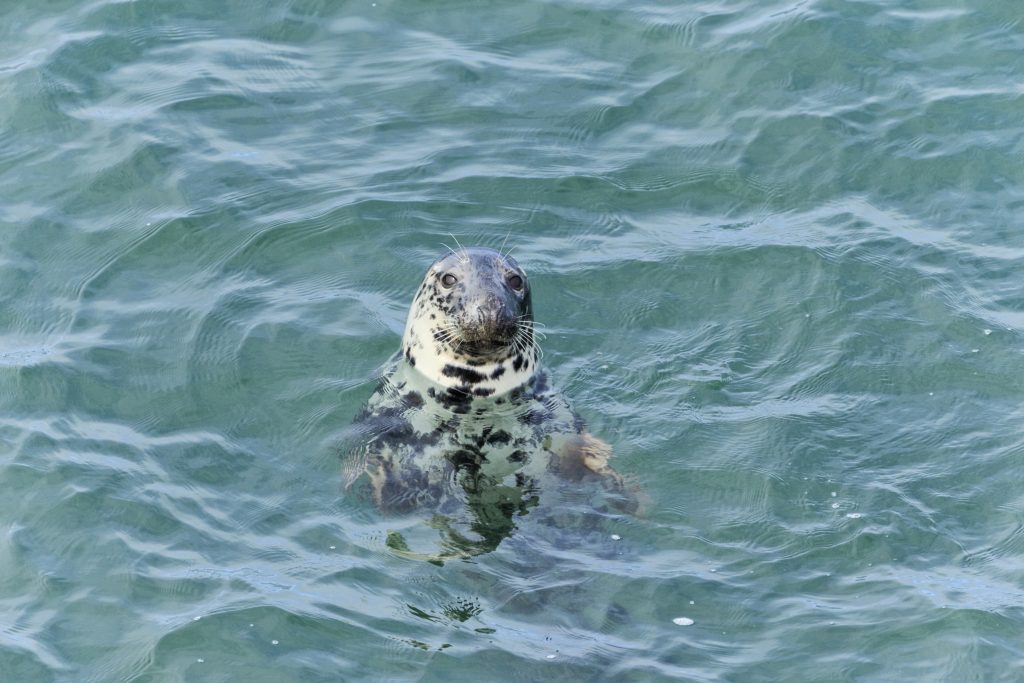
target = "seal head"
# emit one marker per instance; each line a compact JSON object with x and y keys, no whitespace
{"x":470,"y":327}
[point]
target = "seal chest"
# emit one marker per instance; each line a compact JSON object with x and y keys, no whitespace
{"x":466,"y":420}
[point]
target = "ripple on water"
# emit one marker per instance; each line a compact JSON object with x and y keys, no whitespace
{"x":785,"y":289}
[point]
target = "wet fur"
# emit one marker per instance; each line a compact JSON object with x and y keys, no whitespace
{"x":467,"y":419}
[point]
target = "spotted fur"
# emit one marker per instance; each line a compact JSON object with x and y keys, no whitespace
{"x":467,"y":420}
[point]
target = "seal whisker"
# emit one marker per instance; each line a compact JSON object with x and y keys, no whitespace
{"x":446,"y":334}
{"x":522,"y":344}
{"x":463,"y":254}
{"x":501,"y":249}
{"x":538,"y":335}
{"x":454,"y":253}
{"x":528,"y":324}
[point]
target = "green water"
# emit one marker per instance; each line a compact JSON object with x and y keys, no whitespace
{"x":776,"y":248}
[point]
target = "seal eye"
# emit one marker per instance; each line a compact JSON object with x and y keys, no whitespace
{"x":448,"y":280}
{"x":515,"y":282}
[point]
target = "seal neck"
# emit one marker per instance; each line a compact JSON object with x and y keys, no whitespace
{"x":481,"y":379}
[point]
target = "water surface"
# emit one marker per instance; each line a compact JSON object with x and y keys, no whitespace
{"x":775,"y":246}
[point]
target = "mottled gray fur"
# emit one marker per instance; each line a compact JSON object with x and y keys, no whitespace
{"x":467,"y":420}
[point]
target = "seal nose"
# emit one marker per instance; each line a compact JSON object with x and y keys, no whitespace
{"x":497,"y":316}
{"x":492,"y":321}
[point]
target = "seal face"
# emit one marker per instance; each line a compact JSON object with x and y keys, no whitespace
{"x":466,"y":421}
{"x":470,"y":328}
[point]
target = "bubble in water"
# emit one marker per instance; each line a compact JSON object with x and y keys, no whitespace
{"x":273,"y":642}
{"x":854,"y":515}
{"x":987,"y":332}
{"x":616,"y":537}
{"x":683,"y":621}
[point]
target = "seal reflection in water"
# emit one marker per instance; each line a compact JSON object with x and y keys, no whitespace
{"x":466,"y":425}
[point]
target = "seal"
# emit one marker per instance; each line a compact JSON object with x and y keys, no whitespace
{"x":466,"y":419}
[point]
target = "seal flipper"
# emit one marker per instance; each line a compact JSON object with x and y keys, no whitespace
{"x":584,"y":457}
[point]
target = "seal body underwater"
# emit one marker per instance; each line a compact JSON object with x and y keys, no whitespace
{"x":466,"y":420}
